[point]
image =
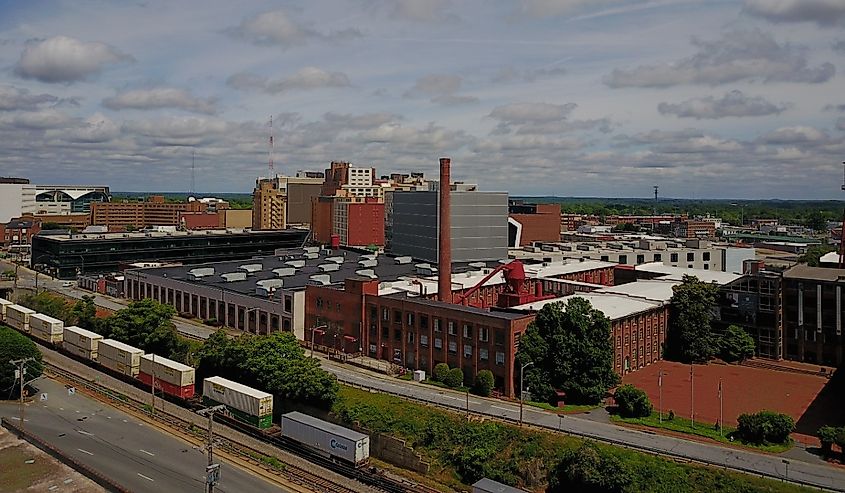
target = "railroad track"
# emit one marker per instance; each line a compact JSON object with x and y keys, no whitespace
{"x":290,"y":472}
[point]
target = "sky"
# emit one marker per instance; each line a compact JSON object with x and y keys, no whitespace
{"x":603,"y":98}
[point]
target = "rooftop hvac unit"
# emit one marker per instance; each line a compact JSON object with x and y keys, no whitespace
{"x":477,"y":265}
{"x":233,"y":276}
{"x":368,"y":263}
{"x":201,"y":272}
{"x":311,"y":256}
{"x":311,"y":249}
{"x":368,"y":273}
{"x":403,"y":260}
{"x":328,"y":267}
{"x":267,"y":286}
{"x":296,"y":264}
{"x":321,"y":279}
{"x":425,"y":269}
{"x":336,"y":260}
{"x":284,"y":271}
{"x":251,"y":268}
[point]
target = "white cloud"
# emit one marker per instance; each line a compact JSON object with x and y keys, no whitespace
{"x":15,"y":98}
{"x":161,"y":97}
{"x":732,"y":104}
{"x":441,"y":88}
{"x":277,"y":27}
{"x":738,"y":55}
{"x":36,"y":120}
{"x":421,"y":10}
{"x":66,"y":59}
{"x":822,"y":12}
{"x":93,"y":130}
{"x":795,"y":135}
{"x":551,"y":8}
{"x":305,"y":79}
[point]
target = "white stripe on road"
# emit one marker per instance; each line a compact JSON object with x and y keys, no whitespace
{"x":502,"y":408}
{"x":146,"y":477}
{"x":84,"y":451}
{"x":84,"y":432}
{"x":148,"y":453}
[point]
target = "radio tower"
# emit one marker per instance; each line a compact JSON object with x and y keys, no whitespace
{"x":842,"y":234}
{"x":272,"y":148}
{"x":656,"y":187}
{"x":193,"y":174}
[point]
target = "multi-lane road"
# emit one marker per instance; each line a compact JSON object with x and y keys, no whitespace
{"x":135,"y":455}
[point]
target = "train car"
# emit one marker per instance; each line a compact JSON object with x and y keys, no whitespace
{"x":81,"y":342}
{"x":46,"y":328}
{"x":485,"y":485}
{"x":172,"y":377}
{"x":246,"y":404}
{"x":18,"y":317}
{"x":119,"y":357}
{"x":3,"y":304}
{"x":326,"y":438}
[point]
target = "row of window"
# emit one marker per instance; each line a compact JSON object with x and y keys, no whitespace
{"x":658,"y":257}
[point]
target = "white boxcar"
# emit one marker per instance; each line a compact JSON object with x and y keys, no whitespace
{"x":81,"y":338}
{"x":46,"y":324}
{"x":18,"y":317}
{"x":248,"y":404}
{"x":167,"y":370}
{"x":327,"y":438}
{"x":3,"y":304}
{"x":485,"y":485}
{"x":120,"y":353}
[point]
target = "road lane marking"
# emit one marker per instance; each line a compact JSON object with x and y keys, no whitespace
{"x":148,"y":453}
{"x":146,"y":477}
{"x":84,"y":451}
{"x":502,"y":408}
{"x":61,"y":409}
{"x":84,"y":432}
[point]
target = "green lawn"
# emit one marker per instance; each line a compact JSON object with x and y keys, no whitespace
{"x":568,"y":408}
{"x":706,"y":430}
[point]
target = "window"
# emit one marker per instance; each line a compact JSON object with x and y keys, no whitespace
{"x":483,"y":334}
{"x":467,"y":331}
{"x":423,"y":340}
{"x":385,"y":314}
{"x":705,"y":256}
{"x":397,"y":334}
{"x":673,"y":257}
{"x":483,"y":354}
{"x":706,"y":266}
{"x":452,"y":330}
{"x":604,"y":258}
{"x":690,"y":256}
{"x":410,"y":319}
{"x":423,"y":321}
{"x":436,"y":323}
{"x":453,"y":347}
{"x":467,"y":350}
{"x":499,"y":337}
{"x":658,"y":257}
{"x":623,"y":259}
{"x":410,"y":337}
{"x":397,"y":316}
{"x":319,"y":303}
{"x":438,"y":343}
{"x":288,"y":304}
{"x":338,"y":307}
{"x":640,"y":259}
{"x":500,"y":358}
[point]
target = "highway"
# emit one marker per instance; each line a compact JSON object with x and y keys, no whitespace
{"x":132,"y":453}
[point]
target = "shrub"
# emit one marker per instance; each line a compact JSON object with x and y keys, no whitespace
{"x":484,"y":383}
{"x":632,"y":402}
{"x":827,"y":435}
{"x":671,"y":415}
{"x":441,"y":370}
{"x":455,"y":378}
{"x":765,"y":426}
{"x":589,"y":469}
{"x":840,"y":438}
{"x":736,"y":345}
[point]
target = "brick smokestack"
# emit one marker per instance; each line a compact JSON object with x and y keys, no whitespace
{"x":444,"y":247}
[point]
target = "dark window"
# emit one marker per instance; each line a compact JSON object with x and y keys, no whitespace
{"x":623,"y":259}
{"x":499,"y":337}
{"x":288,"y":304}
{"x":397,"y":316}
{"x":673,"y":257}
{"x":423,"y":321}
{"x":640,"y":259}
{"x":705,"y":256}
{"x":605,"y":258}
{"x":691,"y":257}
{"x":397,"y":334}
{"x":658,"y":257}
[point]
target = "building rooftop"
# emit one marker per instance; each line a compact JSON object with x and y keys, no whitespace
{"x":140,"y":235}
{"x":677,"y":273}
{"x":804,"y":271}
{"x":490,"y":486}
{"x":501,"y":314}
{"x":830,"y":258}
{"x":614,"y":306}
{"x":659,"y":290}
{"x":557,"y":269}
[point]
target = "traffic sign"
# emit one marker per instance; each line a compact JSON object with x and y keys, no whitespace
{"x":212,"y":474}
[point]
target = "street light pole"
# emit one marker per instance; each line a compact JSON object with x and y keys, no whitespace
{"x":153,"y":387}
{"x":660,"y":396}
{"x":21,"y":363}
{"x":691,"y":396}
{"x":209,"y":412}
{"x":521,"y":393}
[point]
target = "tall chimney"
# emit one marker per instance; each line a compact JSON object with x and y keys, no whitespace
{"x":444,"y":247}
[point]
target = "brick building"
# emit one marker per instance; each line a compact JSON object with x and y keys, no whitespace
{"x":528,"y":223}
{"x":359,"y":223}
{"x":200,"y":220}
{"x":689,"y":228}
{"x":118,"y":216}
{"x":18,"y":233}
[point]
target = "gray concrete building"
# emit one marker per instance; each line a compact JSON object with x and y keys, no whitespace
{"x":479,"y":225}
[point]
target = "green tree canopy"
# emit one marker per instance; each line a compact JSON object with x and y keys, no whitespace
{"x":814,"y":253}
{"x":441,"y":370}
{"x":47,"y":304}
{"x":148,"y":325}
{"x":817,"y":221}
{"x":13,"y":346}
{"x":484,"y":382}
{"x":84,"y":314}
{"x":589,"y":469}
{"x":455,"y":378}
{"x":736,"y":344}
{"x":690,"y":337}
{"x":570,"y":348}
{"x":632,"y":402}
{"x":765,"y":427}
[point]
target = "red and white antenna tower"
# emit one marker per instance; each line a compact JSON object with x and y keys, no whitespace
{"x":842,"y":234}
{"x":272,"y":148}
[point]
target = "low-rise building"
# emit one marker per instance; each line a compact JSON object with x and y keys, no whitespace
{"x":528,"y":223}
{"x":812,"y":314}
{"x":155,"y":211}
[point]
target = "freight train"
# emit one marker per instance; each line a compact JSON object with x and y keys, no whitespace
{"x":248,"y":406}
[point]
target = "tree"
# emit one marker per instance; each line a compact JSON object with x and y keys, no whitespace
{"x":148,"y":325}
{"x":47,"y":304}
{"x":814,"y":254}
{"x":765,"y":427}
{"x":827,"y":437}
{"x":455,"y":378}
{"x":13,"y":346}
{"x":441,"y":370}
{"x":817,"y":221}
{"x":84,"y":314}
{"x":51,"y":226}
{"x":571,"y":350}
{"x":589,"y":469}
{"x":690,"y":337}
{"x":632,"y":402}
{"x":484,"y":382}
{"x":736,"y":345}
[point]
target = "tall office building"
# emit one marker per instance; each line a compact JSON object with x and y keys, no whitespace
{"x":268,"y":205}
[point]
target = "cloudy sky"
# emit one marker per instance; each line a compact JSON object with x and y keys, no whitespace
{"x":740,"y":99}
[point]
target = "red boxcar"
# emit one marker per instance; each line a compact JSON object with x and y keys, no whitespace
{"x":185,"y":392}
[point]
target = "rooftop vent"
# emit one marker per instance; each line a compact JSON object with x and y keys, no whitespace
{"x":296,"y":264}
{"x":337,"y":260}
{"x":321,"y":279}
{"x":284,"y":271}
{"x":368,"y":273}
{"x":312,"y":249}
{"x":425,"y":269}
{"x":233,"y":276}
{"x":477,"y":265}
{"x":200,"y":272}
{"x":403,"y":260}
{"x":266,"y":287}
{"x":311,"y":256}
{"x":328,"y":267}
{"x":368,"y":263}
{"x":251,"y":268}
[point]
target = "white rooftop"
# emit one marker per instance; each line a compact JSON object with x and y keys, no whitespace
{"x":614,"y":306}
{"x":121,"y":346}
{"x":161,"y":360}
{"x":239,"y":387}
{"x":659,"y":290}
{"x":830,"y":258}
{"x":677,"y":273}
{"x":555,"y":269}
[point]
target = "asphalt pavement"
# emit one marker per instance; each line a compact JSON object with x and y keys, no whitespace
{"x":136,"y":455}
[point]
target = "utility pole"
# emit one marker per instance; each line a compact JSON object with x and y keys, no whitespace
{"x":153,"y":388}
{"x":212,"y":470}
{"x":21,"y":364}
{"x":691,"y":396}
{"x":467,"y":392}
{"x":660,"y":396}
{"x":720,"y":408}
{"x":521,"y":392}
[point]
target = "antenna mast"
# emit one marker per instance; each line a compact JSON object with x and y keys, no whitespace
{"x":193,"y":172}
{"x":272,"y":148}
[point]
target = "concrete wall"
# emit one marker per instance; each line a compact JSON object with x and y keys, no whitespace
{"x":299,"y":201}
{"x":11,"y":198}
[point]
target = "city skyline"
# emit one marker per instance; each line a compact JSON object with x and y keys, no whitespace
{"x":727,"y":99}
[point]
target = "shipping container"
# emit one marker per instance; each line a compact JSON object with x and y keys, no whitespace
{"x":245,"y":403}
{"x":82,"y":338}
{"x":485,"y":485}
{"x":46,"y":324}
{"x":55,"y":339}
{"x":120,"y":353}
{"x":183,"y":392}
{"x":3,"y":304}
{"x":18,"y":317}
{"x":167,"y":370}
{"x":327,"y":438}
{"x":80,"y":351}
{"x":117,"y":366}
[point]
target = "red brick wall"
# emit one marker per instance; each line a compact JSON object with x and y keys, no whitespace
{"x":639,"y":340}
{"x":365,"y":224}
{"x":199,"y":220}
{"x":322,"y":215}
{"x":542,"y":226}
